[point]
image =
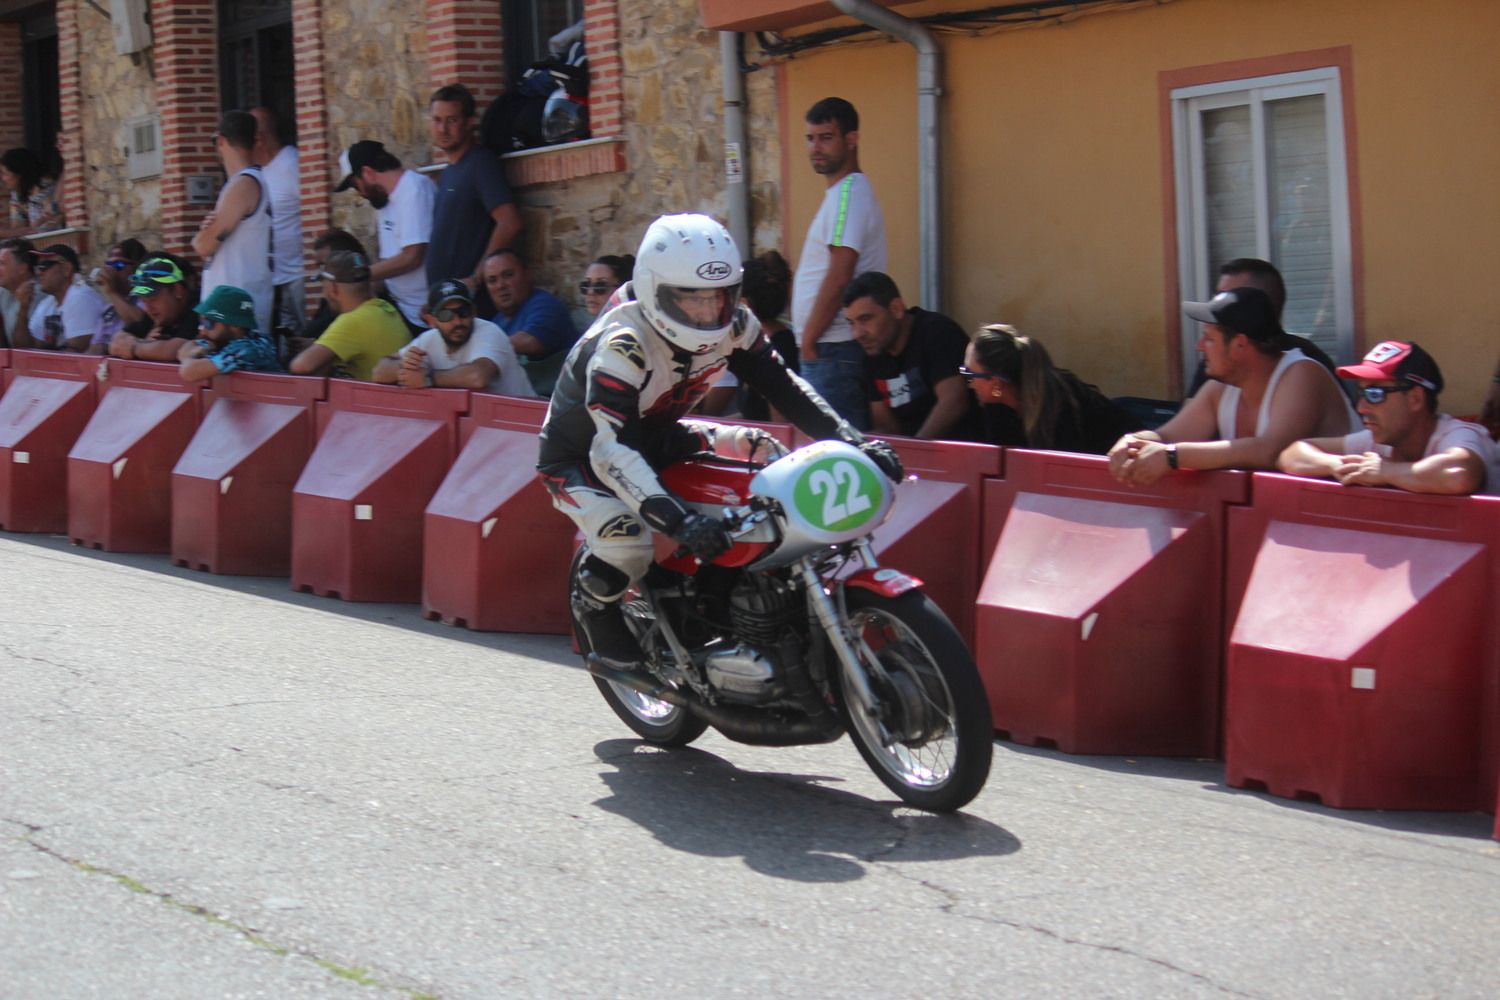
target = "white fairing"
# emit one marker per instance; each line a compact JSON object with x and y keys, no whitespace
{"x":829,"y":493}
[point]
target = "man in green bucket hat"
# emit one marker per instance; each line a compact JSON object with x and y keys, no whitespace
{"x":228,"y":339}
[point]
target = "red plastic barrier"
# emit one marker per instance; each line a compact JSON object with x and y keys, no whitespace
{"x":934,"y":528}
{"x":120,"y":469}
{"x":1100,"y":618}
{"x":496,"y":553}
{"x":232,"y":487}
{"x":357,"y":508}
{"x":48,"y":401}
{"x":4,"y":364}
{"x":1362,"y":667}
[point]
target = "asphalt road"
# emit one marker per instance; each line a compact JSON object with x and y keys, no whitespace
{"x":214,"y":787}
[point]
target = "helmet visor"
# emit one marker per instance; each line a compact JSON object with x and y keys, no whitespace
{"x":704,"y":309}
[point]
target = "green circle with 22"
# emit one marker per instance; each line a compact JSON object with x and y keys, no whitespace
{"x":838,"y":494}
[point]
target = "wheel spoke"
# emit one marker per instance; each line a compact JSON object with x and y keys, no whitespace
{"x":930,"y":763}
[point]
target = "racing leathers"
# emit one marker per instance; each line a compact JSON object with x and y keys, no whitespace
{"x":616,"y":417}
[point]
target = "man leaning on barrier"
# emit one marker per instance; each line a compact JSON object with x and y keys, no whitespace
{"x":229,"y":338}
{"x":1264,"y":395}
{"x":1406,"y":442}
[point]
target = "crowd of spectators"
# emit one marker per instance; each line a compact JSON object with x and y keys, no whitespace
{"x":449,"y":299}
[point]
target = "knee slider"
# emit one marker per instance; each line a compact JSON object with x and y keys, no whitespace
{"x":602,"y":581}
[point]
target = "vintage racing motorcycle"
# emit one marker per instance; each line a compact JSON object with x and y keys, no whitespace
{"x":796,"y":634}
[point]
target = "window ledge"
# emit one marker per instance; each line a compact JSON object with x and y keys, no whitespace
{"x":562,"y":162}
{"x":565,"y":161}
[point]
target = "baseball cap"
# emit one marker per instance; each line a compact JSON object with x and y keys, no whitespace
{"x":447,"y":291}
{"x":346,"y":267}
{"x":1244,"y":310}
{"x":362,"y":154}
{"x":1399,"y":361}
{"x":230,"y":305}
{"x":154,"y":274}
{"x":57,"y":251}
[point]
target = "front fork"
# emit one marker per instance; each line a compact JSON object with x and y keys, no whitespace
{"x":834,"y":617}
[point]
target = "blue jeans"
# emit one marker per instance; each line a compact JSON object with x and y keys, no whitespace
{"x":839,"y":377}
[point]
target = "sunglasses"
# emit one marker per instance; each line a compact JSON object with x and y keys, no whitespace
{"x":448,"y":314}
{"x":595,"y":287}
{"x":207,"y":324}
{"x":118,"y":265}
{"x":46,"y":264}
{"x":970,"y":375}
{"x":1375,"y":394}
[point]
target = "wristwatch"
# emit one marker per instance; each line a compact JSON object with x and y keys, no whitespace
{"x":1171,"y":456}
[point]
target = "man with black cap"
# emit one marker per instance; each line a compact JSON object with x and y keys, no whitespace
{"x":229,"y":340}
{"x":1406,"y":442}
{"x":163,"y":284}
{"x":69,"y":312}
{"x":403,"y":201}
{"x":1263,"y":395}
{"x":461,"y":351}
{"x":366,"y":330}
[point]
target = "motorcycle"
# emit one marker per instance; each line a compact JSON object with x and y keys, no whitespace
{"x":797,"y":635}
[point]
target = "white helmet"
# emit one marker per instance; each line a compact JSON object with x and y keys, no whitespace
{"x":681,"y":254}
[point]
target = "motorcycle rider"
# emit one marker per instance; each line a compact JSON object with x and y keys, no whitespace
{"x":615,"y":416}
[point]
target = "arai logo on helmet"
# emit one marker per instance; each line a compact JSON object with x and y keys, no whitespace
{"x":715,"y":270}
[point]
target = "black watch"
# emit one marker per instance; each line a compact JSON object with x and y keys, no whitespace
{"x":1171,"y":456}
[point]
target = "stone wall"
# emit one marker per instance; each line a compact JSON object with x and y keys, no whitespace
{"x":674,"y":142}
{"x":115,"y":89}
{"x":376,"y":76}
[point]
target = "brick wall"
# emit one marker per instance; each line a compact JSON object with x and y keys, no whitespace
{"x":601,"y":37}
{"x":317,"y":160}
{"x":464,"y":45}
{"x":187,"y":92}
{"x":70,"y":141}
{"x":12,"y":119}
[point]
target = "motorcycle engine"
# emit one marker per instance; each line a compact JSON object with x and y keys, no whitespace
{"x":761,"y":614}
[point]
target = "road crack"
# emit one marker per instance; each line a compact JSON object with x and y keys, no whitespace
{"x":357,"y":974}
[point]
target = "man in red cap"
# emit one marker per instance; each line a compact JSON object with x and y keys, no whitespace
{"x":1406,"y":442}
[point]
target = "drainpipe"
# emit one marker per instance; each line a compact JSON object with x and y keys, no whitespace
{"x":929,"y":89}
{"x":735,"y":148}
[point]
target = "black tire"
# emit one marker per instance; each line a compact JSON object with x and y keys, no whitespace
{"x":934,"y":700}
{"x":652,"y":720}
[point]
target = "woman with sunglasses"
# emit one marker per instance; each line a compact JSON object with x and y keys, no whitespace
{"x":1030,"y":403}
{"x":600,"y":279}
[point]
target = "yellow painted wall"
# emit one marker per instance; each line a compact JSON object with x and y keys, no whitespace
{"x":1052,"y":169}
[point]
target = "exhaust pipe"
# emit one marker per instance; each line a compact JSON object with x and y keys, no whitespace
{"x":743,"y":725}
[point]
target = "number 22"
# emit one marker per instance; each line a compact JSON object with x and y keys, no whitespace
{"x":827,"y":484}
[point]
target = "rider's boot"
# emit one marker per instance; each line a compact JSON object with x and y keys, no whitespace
{"x":602,"y":619}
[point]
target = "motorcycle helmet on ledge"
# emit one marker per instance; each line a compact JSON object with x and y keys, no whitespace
{"x":687,"y":281}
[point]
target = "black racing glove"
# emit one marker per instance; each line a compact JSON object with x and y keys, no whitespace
{"x":705,"y":537}
{"x":884,"y":456}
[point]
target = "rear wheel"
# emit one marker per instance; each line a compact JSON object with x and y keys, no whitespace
{"x":651,"y":719}
{"x":931,"y":739}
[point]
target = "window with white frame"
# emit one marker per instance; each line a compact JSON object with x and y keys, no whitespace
{"x":1261,"y":172}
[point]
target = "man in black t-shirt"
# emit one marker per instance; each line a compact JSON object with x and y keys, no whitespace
{"x":912,"y":358}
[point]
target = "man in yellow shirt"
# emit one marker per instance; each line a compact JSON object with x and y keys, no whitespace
{"x":366,"y":330}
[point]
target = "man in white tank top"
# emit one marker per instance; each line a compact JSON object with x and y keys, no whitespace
{"x":235,"y":238}
{"x":1260,"y":398}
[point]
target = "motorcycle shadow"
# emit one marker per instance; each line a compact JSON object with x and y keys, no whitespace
{"x":791,"y":826}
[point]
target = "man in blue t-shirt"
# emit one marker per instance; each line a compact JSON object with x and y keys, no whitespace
{"x":540,"y":327}
{"x":474,"y":214}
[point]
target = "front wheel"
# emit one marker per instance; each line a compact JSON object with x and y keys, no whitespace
{"x":931,"y":738}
